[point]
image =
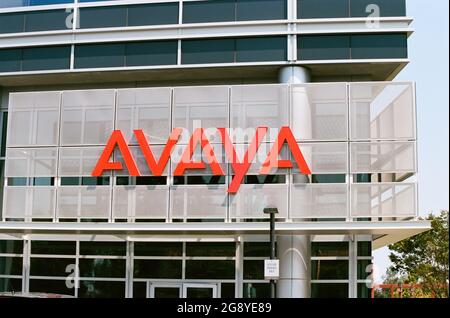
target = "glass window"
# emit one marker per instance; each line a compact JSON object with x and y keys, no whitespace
{"x":102,"y":268}
{"x":333,"y":290}
{"x":364,"y":291}
{"x":11,"y":265}
{"x":323,"y":47}
{"x":94,"y":181}
{"x":261,"y":49}
{"x":103,"y":248}
{"x":364,"y":269}
{"x":10,"y":60}
{"x":207,"y":51}
{"x":50,"y":286}
{"x":254,"y":269}
{"x":4,"y":127}
{"x":256,"y":290}
{"x":139,"y":290}
{"x":10,"y":284}
{"x":388,"y":8}
{"x":47,"y":2}
{"x":247,"y":10}
{"x":261,"y":249}
{"x":265,"y":179}
{"x":99,"y":55}
{"x":209,"y":11}
{"x":151,"y":53}
{"x":211,"y":249}
{"x":70,"y":181}
{"x":326,"y":269}
{"x":313,"y":9}
{"x":103,"y":17}
{"x":11,"y":247}
{"x":329,"y":249}
{"x":50,"y":267}
{"x":365,"y":248}
{"x":214,"y":269}
{"x":168,"y":269}
{"x":101,"y":289}
{"x":46,"y":58}
{"x":53,"y":247}
{"x":153,"y":14}
{"x":328,"y":178}
{"x":46,"y":20}
{"x":12,"y":22}
{"x":158,"y":249}
{"x":20,"y":181}
{"x":227,"y":290}
{"x":377,"y":46}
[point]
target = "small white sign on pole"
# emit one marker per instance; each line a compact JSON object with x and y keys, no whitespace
{"x":271,"y":269}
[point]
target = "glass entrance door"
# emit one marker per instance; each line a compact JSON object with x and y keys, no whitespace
{"x":188,"y":290}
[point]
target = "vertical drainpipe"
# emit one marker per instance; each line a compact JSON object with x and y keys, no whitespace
{"x":294,"y":250}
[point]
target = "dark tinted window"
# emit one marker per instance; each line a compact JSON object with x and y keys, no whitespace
{"x":46,"y":58}
{"x":102,"y":17}
{"x":10,"y":284}
{"x":200,"y":269}
{"x":151,"y":53}
{"x":326,"y":269}
{"x":256,"y":290}
{"x":209,"y":11}
{"x":365,"y":248}
{"x":10,"y":60}
{"x":247,"y":10}
{"x":311,"y":9}
{"x":257,"y":249}
{"x":210,"y":249}
{"x":102,"y":268}
{"x":103,"y":248}
{"x":46,"y":20}
{"x":168,"y":269}
{"x":12,"y":22}
{"x":254,"y":269}
{"x":152,"y":14}
{"x":328,"y":178}
{"x":388,"y":8}
{"x":158,"y":249}
{"x":44,"y":2}
{"x":53,"y":247}
{"x":99,"y":55}
{"x":50,"y":267}
{"x":50,"y":286}
{"x":329,"y":249}
{"x":101,"y":289}
{"x":332,"y":290}
{"x":364,"y":269}
{"x":261,"y":49}
{"x":11,"y":265}
{"x":379,"y":46}
{"x":208,"y":51}
{"x":323,"y":47}
{"x":11,"y":246}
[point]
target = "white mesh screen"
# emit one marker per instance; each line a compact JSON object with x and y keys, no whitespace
{"x":318,"y":201}
{"x":383,"y":157}
{"x":147,"y":109}
{"x":195,"y":202}
{"x":87,"y":117}
{"x":199,"y":156}
{"x":255,"y":106}
{"x":383,"y":200}
{"x":250,"y":200}
{"x":140,"y":161}
{"x":145,"y":202}
{"x":382,"y":110}
{"x":78,"y":161}
{"x":31,"y":162}
{"x":34,"y":119}
{"x":84,"y":202}
{"x":319,"y":111}
{"x":325,"y":157}
{"x":33,"y":202}
{"x":200,"y":107}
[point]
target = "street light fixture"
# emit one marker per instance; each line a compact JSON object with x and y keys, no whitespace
{"x":272,"y":211}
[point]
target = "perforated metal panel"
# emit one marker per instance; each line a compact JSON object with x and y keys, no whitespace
{"x":144,"y":202}
{"x":198,"y":202}
{"x":84,"y":202}
{"x":393,"y":157}
{"x":87,"y":117}
{"x":140,"y":160}
{"x":325,"y":157}
{"x":382,"y":111}
{"x":29,"y":202}
{"x":319,"y":111}
{"x":147,"y":109}
{"x":33,"y":119}
{"x":383,"y":200}
{"x":318,"y":201}
{"x":78,"y":161}
{"x":199,"y":156}
{"x":31,"y":162}
{"x":258,"y":106}
{"x":250,"y":200}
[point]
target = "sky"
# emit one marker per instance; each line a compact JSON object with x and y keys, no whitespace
{"x":428,"y":50}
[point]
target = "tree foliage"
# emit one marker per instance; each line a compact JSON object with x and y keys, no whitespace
{"x":423,"y":258}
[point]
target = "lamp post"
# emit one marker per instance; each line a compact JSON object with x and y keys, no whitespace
{"x":272,"y":211}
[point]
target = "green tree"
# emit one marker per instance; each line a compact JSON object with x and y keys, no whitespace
{"x":423,"y":258}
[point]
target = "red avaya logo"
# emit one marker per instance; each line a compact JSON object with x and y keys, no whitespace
{"x":240,"y":168}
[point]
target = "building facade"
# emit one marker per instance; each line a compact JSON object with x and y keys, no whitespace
{"x":73,"y":72}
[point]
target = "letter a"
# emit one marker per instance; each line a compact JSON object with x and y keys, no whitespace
{"x":272,"y":161}
{"x":103,"y":162}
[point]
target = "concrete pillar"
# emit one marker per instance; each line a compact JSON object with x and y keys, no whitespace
{"x":294,"y":250}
